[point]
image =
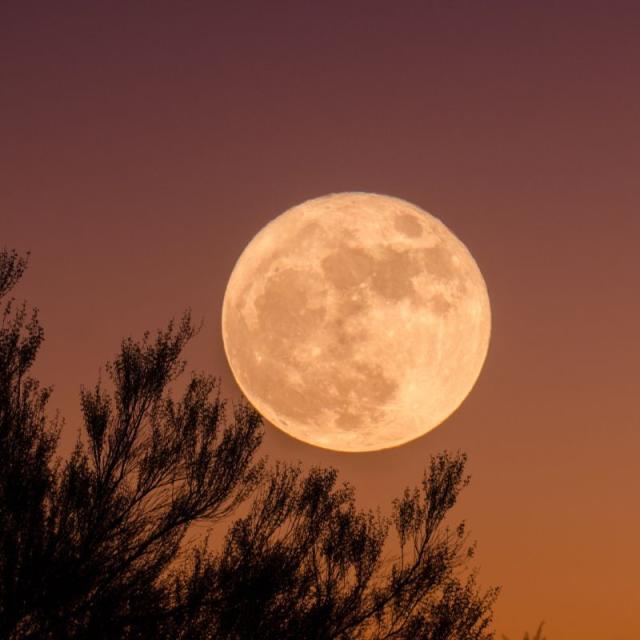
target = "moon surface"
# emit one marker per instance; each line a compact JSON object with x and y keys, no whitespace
{"x":356,"y":322}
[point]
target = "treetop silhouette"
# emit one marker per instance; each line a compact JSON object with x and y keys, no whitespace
{"x":93,"y":546}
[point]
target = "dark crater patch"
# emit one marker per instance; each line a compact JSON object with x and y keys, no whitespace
{"x":437,"y":262}
{"x":388,"y":272}
{"x":391,"y":277}
{"x":408,"y":225}
{"x":347,"y":267}
{"x":369,"y":387}
{"x":439,"y":304}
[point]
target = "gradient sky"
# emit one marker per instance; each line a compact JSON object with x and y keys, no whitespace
{"x":142,"y":147}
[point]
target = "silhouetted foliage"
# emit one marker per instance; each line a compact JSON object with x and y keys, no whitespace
{"x":94,"y":546}
{"x":537,"y":636}
{"x":27,"y":445}
{"x":304,"y":563}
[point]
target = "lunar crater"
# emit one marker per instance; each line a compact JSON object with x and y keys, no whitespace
{"x":408,"y":225}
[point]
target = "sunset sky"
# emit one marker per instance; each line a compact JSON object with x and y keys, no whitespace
{"x":142,"y":147}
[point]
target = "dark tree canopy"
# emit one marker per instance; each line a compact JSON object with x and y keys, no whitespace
{"x":102,"y":544}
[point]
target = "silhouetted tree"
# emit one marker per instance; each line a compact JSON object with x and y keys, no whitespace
{"x":94,"y":546}
{"x":304,"y":563}
{"x":85,"y":544}
{"x":27,"y":445}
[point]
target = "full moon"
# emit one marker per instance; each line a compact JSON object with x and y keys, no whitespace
{"x":356,"y":322}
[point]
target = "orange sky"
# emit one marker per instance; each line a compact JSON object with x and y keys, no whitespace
{"x":142,"y":148}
